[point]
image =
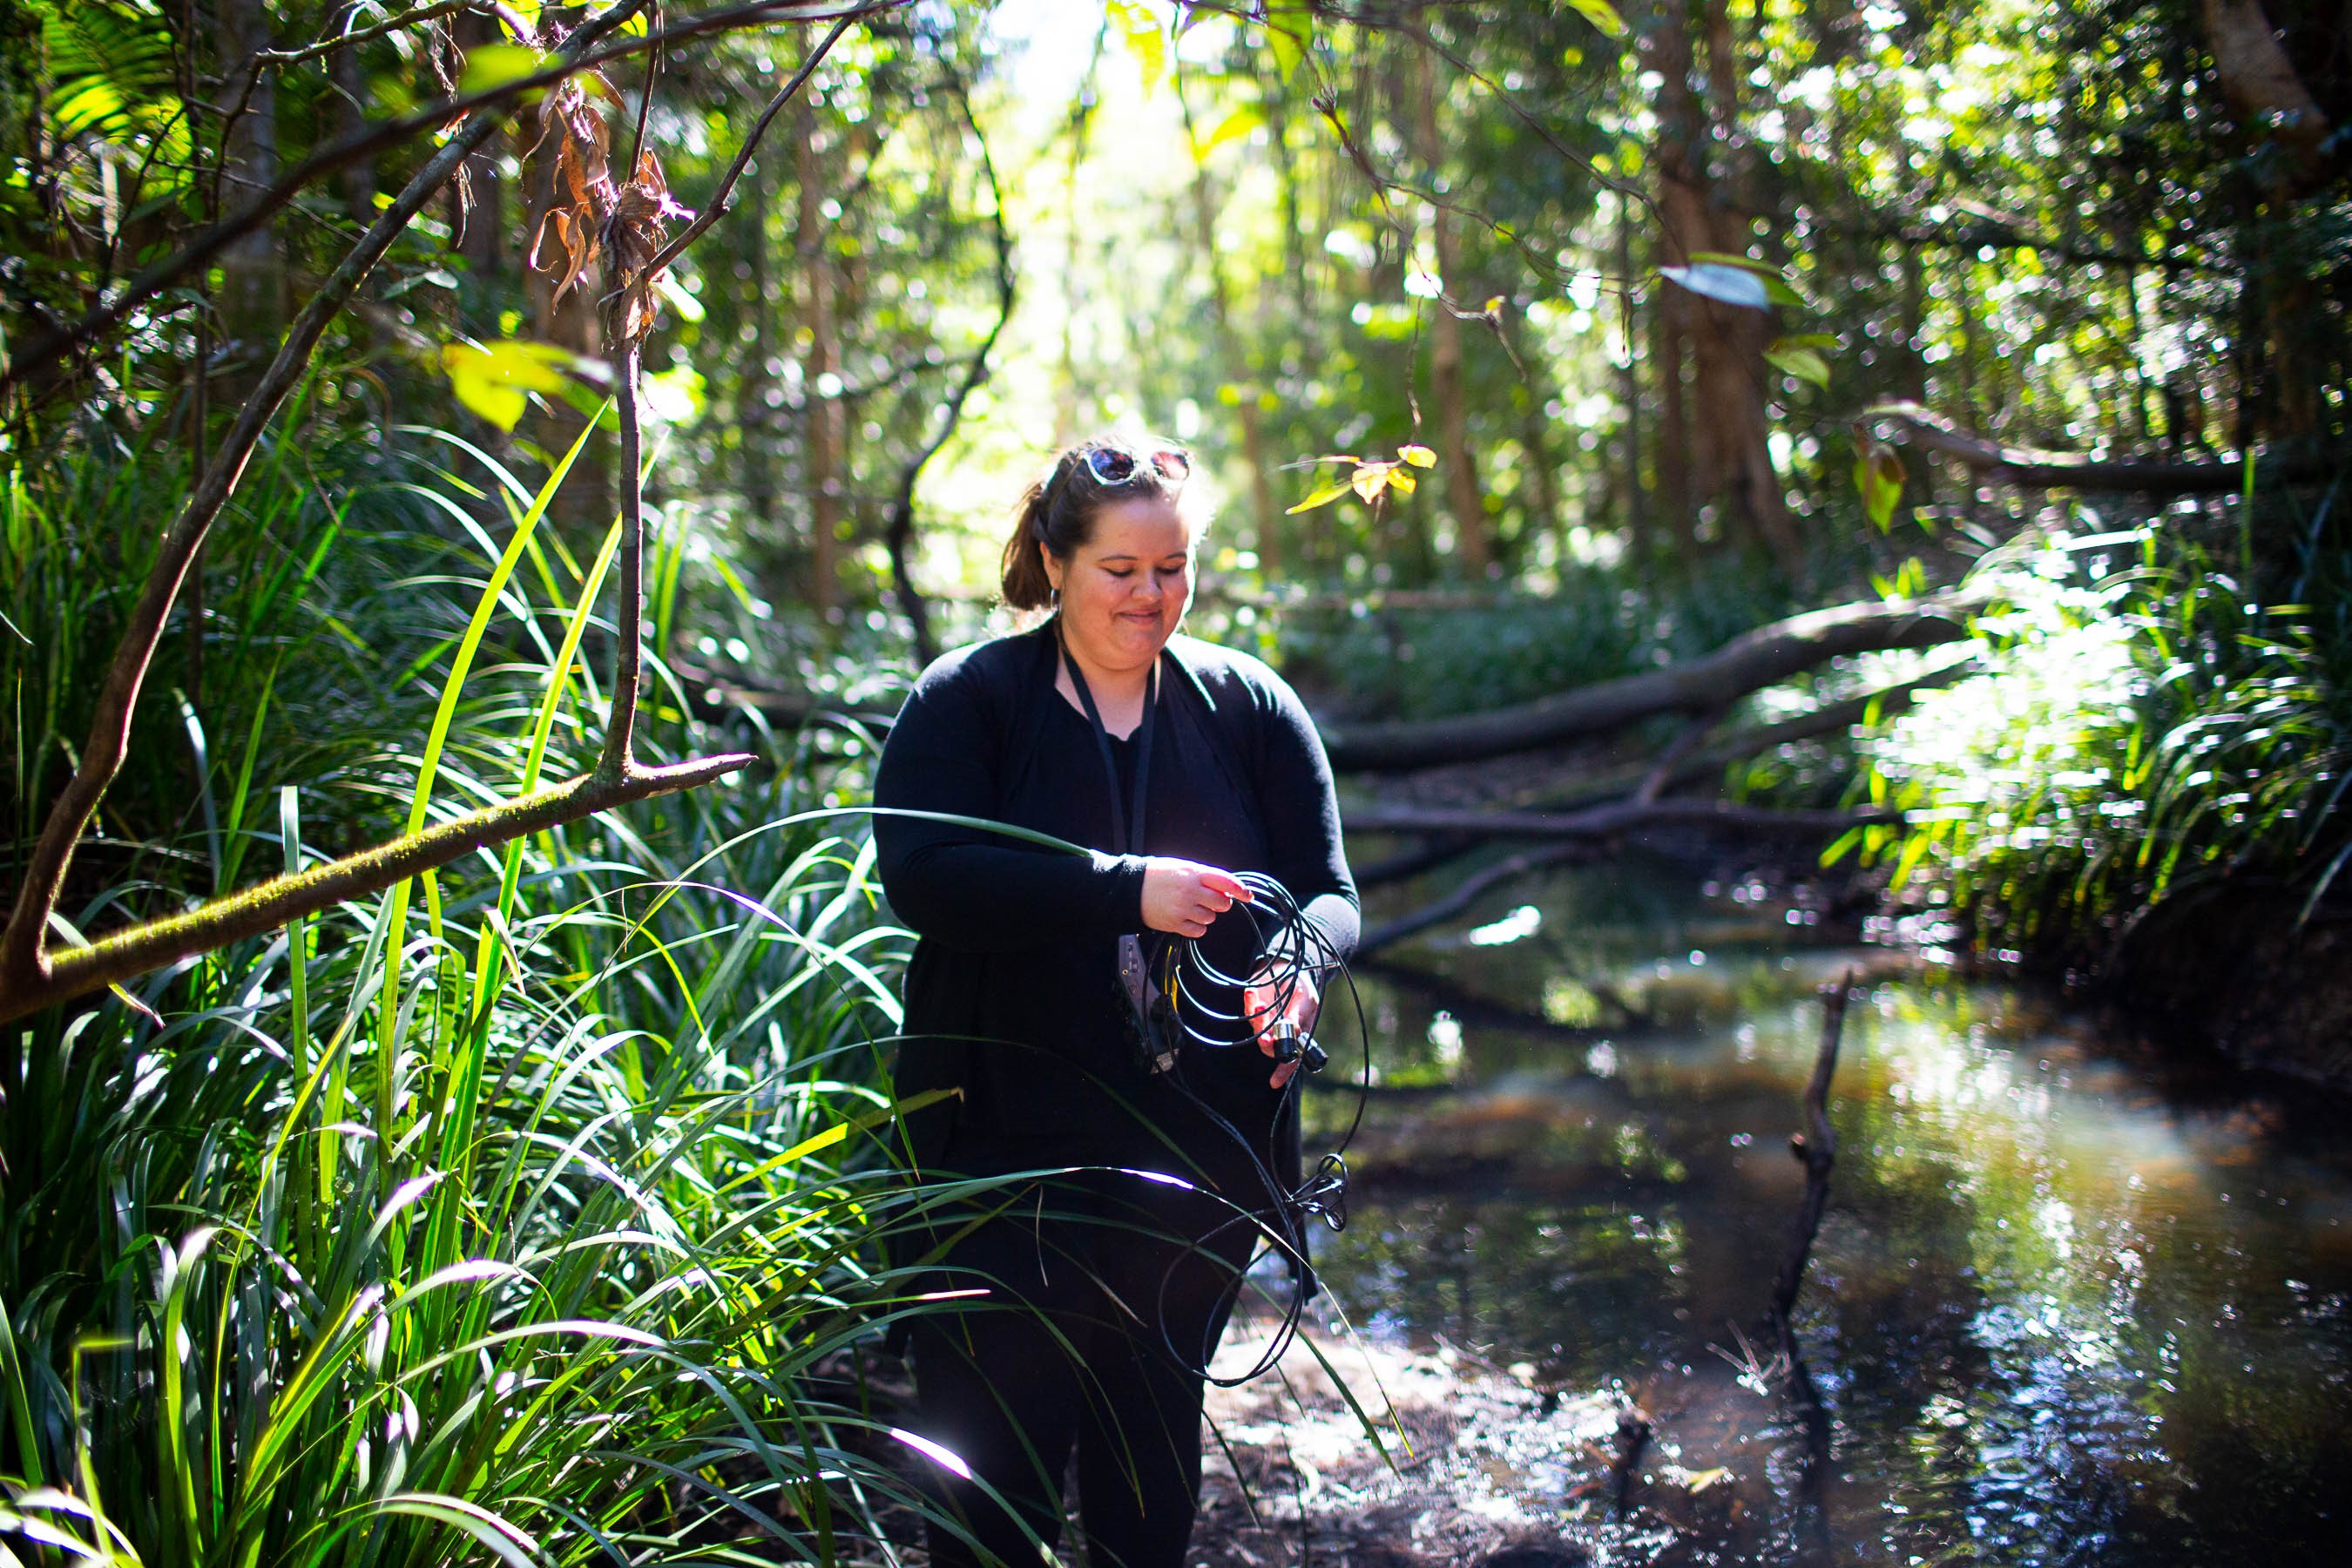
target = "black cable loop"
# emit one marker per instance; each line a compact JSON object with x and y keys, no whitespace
{"x":1292,"y":952}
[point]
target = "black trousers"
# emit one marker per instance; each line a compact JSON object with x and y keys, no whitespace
{"x":1106,"y":1294}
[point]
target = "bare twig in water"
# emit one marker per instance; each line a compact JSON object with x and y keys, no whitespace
{"x":1632,"y":1442}
{"x":1816,"y":1149}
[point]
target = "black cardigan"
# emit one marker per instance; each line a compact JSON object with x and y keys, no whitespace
{"x":1012,"y":995}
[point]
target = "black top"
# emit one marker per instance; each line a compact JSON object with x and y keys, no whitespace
{"x":1013,"y":993}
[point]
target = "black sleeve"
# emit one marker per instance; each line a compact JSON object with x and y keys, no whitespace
{"x":1301,"y":814}
{"x":964,"y":886}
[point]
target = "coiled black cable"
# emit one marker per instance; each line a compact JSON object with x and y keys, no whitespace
{"x":1292,"y":952}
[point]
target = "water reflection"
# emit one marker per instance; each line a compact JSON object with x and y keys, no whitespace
{"x":2066,"y":1308}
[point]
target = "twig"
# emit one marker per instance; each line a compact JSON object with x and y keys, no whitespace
{"x":1625,"y":1466}
{"x":722,"y":197}
{"x":617,"y":759}
{"x":1816,"y":1149}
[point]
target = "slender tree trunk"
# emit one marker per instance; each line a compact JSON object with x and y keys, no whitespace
{"x":1541,"y":497}
{"x":1235,"y":360}
{"x":820,"y":373}
{"x":253,"y":299}
{"x":755,"y":416}
{"x":1637,"y":495}
{"x":477,"y":200}
{"x":1463,"y":499}
{"x":359,"y":176}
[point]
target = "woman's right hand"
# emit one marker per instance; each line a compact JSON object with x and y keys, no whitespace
{"x":1182,"y":897}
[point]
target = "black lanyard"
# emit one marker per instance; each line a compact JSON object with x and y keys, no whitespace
{"x":1121,"y":815}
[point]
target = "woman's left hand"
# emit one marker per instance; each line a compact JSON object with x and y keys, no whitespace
{"x":1266,"y":1006}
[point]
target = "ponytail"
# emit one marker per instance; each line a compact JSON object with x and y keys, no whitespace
{"x":1022,"y":578}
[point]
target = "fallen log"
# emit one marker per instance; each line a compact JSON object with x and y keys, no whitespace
{"x":1597,"y":789}
{"x":2036,"y":468}
{"x":1748,"y":663}
{"x":1607,"y":821}
{"x":1571,"y":846}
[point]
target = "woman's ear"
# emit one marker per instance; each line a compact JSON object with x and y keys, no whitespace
{"x":1052,"y":568}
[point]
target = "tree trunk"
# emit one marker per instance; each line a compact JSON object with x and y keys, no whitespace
{"x":1455,"y":456}
{"x":253,"y":299}
{"x":2271,"y":101}
{"x":1730,"y":452}
{"x":820,"y":374}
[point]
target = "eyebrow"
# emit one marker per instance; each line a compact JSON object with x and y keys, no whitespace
{"x":1130,"y":556}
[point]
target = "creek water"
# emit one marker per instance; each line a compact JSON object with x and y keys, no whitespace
{"x":2070,"y":1304}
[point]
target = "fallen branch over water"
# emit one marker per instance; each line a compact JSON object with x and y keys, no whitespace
{"x":1607,"y":821}
{"x":1748,"y":663}
{"x":2037,"y":468}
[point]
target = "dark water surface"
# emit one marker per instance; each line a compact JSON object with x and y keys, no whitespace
{"x":2068,"y":1306}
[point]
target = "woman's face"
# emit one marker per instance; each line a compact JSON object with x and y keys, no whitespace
{"x":1124,"y":591}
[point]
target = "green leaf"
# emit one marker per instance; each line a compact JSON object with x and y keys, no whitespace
{"x":1144,"y":37}
{"x":1323,"y":495}
{"x":1878,"y":476}
{"x":1289,"y":34}
{"x":491,"y":66}
{"x":1601,"y":15}
{"x":1803,"y":364}
{"x":494,"y":379}
{"x":1236,"y":125}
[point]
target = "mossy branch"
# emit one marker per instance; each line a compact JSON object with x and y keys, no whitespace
{"x":76,"y":971}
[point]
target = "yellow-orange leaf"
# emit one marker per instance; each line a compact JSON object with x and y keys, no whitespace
{"x":1323,"y":495}
{"x":1418,"y":456}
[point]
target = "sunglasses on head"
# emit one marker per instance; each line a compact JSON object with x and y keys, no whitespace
{"x":1118,"y":466}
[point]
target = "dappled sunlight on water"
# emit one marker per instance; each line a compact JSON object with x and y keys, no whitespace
{"x":2067,"y":1307}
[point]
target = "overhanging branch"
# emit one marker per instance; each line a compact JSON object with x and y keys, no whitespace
{"x":37,"y":357}
{"x":2038,"y":468}
{"x":77,"y":971}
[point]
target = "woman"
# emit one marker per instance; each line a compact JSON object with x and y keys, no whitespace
{"x":1176,"y":764}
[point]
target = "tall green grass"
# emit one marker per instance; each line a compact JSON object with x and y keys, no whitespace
{"x":534,"y":1228}
{"x":2150,"y":721}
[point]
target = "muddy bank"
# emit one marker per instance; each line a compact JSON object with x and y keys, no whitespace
{"x":1476,"y":1463}
{"x":2242,"y":972}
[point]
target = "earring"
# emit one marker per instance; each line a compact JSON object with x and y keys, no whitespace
{"x":1054,"y":605}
